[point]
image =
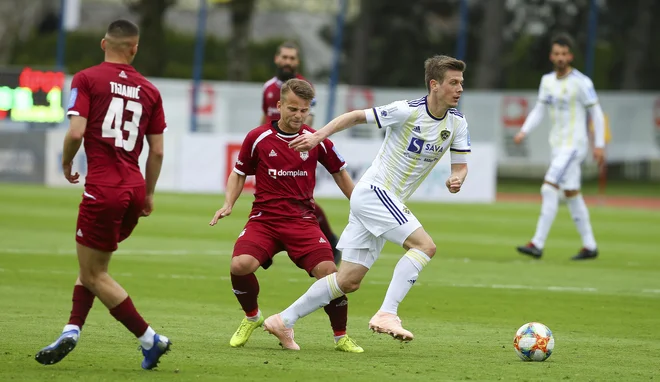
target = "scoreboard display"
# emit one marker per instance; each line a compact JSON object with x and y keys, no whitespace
{"x":32,"y":96}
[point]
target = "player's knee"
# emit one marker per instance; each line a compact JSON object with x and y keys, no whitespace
{"x":349,"y":285}
{"x":243,"y":265}
{"x":429,"y":248}
{"x":571,"y":193}
{"x":89,"y":279}
{"x":323,"y":269}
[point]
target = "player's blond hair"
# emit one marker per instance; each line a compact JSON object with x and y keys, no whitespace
{"x":299,"y":87}
{"x":436,"y":67}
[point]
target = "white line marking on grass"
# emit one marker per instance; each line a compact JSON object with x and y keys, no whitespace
{"x":560,"y":289}
{"x":157,"y":252}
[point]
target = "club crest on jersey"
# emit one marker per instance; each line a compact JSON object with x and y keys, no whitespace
{"x":444,"y":134}
{"x":304,"y":155}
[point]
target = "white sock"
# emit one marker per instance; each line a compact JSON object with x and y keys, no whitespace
{"x":549,"y":208}
{"x":68,"y":328}
{"x":405,"y":275}
{"x":580,"y":215}
{"x":254,"y":318}
{"x":337,"y":338}
{"x":317,"y":296}
{"x":147,"y":339}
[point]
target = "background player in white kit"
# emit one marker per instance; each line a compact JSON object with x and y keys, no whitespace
{"x":418,"y":133}
{"x":568,"y":96}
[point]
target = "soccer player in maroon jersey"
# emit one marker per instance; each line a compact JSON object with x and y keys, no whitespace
{"x":112,"y":108}
{"x":287,"y":61}
{"x":282,"y":216}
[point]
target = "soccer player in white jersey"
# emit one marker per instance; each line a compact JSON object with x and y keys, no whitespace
{"x":568,"y":96}
{"x":418,"y":133}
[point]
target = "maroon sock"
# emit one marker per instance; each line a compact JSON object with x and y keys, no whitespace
{"x":126,"y":313}
{"x":337,"y":310}
{"x":82,"y":299}
{"x":246,"y":290}
{"x":323,"y":222}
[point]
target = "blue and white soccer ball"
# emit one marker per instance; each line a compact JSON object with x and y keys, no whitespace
{"x":534,"y":342}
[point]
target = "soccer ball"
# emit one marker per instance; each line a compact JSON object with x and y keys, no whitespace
{"x":534,"y":342}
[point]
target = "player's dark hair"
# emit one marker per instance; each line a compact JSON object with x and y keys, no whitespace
{"x":289,"y":45}
{"x":563,"y":39}
{"x":301,"y":88}
{"x":436,"y":67}
{"x":123,"y":28}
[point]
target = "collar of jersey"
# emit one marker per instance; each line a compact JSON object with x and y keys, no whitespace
{"x":426,"y":104}
{"x":282,"y":133}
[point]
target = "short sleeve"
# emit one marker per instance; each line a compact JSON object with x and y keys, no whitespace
{"x":393,"y":114}
{"x":330,"y":158}
{"x":587,"y":95}
{"x":79,"y":96}
{"x":246,"y":164}
{"x":157,"y":123}
{"x":544,"y":94}
{"x":461,"y":144}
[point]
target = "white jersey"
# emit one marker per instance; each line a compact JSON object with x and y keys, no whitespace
{"x":414,"y":143}
{"x":567,"y":100}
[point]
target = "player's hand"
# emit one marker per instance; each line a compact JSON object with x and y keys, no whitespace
{"x":599,"y":155}
{"x":454,"y":184}
{"x":305,"y":142}
{"x":219,"y":214}
{"x":67,"y":168}
{"x":148,"y":205}
{"x":519,"y":137}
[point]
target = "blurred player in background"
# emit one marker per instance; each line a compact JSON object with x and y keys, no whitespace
{"x":419,"y":133}
{"x":287,"y":61}
{"x":282,"y":216}
{"x":112,"y":108}
{"x":568,"y":96}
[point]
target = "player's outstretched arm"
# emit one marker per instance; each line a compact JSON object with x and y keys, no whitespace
{"x":235,"y":184}
{"x":345,"y":183}
{"x":72,"y":141}
{"x":598,"y":119}
{"x":531,"y":122}
{"x":306,"y":142}
{"x":458,"y":174}
{"x":153,"y":167}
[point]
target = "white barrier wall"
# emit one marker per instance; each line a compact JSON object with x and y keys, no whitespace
{"x":235,"y":108}
{"x":201,"y":163}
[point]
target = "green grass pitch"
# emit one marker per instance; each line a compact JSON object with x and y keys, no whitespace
{"x":464,"y":310}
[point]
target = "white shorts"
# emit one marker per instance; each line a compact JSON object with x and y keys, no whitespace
{"x":376,"y":216}
{"x":565,"y":169}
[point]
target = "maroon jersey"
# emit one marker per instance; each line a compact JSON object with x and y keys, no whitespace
{"x":272,"y":95}
{"x":285,"y":178}
{"x":121,"y":106}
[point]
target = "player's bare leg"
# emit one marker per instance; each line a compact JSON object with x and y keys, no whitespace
{"x":337,"y":311}
{"x":93,"y":275}
{"x":420,"y":249}
{"x":246,"y":289}
{"x":319,"y":294}
{"x":580,"y":215}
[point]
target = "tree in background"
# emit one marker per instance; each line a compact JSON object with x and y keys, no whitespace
{"x":153,"y":53}
{"x":17,"y":19}
{"x":238,"y":53}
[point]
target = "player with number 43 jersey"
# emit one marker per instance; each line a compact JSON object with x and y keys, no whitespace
{"x":112,"y":108}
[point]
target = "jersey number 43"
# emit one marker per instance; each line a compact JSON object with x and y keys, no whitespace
{"x":113,"y":124}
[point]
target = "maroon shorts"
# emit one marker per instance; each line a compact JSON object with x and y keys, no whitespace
{"x":108,"y":215}
{"x":264,"y":236}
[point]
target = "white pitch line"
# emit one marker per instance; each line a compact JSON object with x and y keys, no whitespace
{"x":560,"y":289}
